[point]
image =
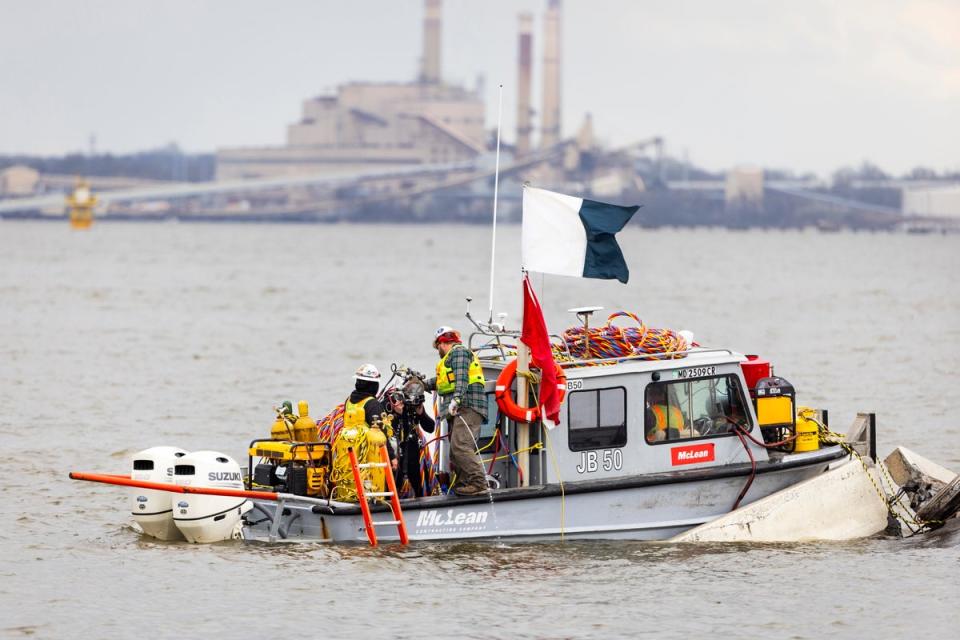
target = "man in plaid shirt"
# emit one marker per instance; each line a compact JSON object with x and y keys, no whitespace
{"x":463,"y":404}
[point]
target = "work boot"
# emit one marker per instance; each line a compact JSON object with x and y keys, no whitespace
{"x":469,"y":491}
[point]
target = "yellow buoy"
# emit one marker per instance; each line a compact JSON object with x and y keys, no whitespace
{"x":81,"y":203}
{"x":808,"y":432}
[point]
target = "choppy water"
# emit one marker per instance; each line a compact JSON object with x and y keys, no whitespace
{"x":133,"y":335}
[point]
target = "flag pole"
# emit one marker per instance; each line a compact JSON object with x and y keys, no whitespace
{"x":523,"y":395}
{"x":496,"y":192}
{"x":523,"y":428}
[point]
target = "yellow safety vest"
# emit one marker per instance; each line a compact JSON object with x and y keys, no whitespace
{"x":446,"y":381}
{"x":675,"y":421}
{"x":354,"y":414}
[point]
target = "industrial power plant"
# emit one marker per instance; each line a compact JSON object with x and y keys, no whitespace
{"x":410,"y":144}
{"x":423,"y":151}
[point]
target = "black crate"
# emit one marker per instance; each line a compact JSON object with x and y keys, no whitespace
{"x":265,"y":475}
{"x":297,"y":480}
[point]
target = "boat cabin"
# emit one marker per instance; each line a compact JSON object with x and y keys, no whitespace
{"x":635,"y":415}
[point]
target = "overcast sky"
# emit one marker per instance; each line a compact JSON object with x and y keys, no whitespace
{"x":805,"y":85}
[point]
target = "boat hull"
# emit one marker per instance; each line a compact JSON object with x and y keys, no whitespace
{"x":654,"y":507}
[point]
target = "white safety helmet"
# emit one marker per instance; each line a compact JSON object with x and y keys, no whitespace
{"x":367,"y":372}
{"x":445,"y":334}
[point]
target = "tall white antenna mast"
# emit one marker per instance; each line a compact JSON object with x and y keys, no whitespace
{"x":496,"y":192}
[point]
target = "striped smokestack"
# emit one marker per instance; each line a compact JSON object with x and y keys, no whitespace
{"x":430,"y":69}
{"x":550,"y":120}
{"x":524,"y":63}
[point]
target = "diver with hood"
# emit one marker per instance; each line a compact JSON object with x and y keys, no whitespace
{"x":409,"y":417}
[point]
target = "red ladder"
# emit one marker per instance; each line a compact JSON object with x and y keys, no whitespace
{"x":368,"y":522}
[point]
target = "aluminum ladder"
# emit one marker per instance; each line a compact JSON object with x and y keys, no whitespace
{"x":368,"y":522}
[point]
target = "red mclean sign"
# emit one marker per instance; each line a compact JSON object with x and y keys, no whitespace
{"x":692,"y":454}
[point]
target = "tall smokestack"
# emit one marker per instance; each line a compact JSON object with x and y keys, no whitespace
{"x":430,"y":70}
{"x":524,"y":63}
{"x":550,"y":119}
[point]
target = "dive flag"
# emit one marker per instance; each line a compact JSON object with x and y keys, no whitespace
{"x":571,"y":236}
{"x":535,"y":336}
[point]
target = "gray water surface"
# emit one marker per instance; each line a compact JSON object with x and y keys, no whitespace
{"x":135,"y":335}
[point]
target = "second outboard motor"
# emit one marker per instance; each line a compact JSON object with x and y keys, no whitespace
{"x":153,"y":510}
{"x":209,"y":518}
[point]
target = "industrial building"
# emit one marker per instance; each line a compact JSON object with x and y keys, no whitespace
{"x":932,"y":201}
{"x":376,"y":126}
{"x":370,"y":126}
{"x":421,"y":150}
{"x":18,"y":180}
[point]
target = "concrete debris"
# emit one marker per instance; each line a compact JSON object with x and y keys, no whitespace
{"x":943,"y":505}
{"x":840,"y":504}
{"x":920,"y":478}
{"x":906,"y":465}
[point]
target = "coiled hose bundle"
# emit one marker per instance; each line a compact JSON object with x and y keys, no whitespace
{"x":329,"y":426}
{"x":611,"y":341}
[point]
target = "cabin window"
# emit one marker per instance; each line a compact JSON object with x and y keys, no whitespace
{"x":597,"y":419}
{"x":690,"y":409}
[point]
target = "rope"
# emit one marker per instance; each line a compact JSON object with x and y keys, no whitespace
{"x":896,"y":499}
{"x":556,"y":467}
{"x":766,"y":445}
{"x":531,"y":377}
{"x":753,"y":465}
{"x":329,"y":426}
{"x":428,"y":467}
{"x":509,"y":454}
{"x":563,"y":494}
{"x":611,"y":341}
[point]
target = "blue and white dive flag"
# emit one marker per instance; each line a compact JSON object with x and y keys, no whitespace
{"x":571,"y":236}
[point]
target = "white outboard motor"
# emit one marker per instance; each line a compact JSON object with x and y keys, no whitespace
{"x":206,"y":518}
{"x":153,"y":510}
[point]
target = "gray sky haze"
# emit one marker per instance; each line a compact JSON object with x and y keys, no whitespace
{"x":807,"y":86}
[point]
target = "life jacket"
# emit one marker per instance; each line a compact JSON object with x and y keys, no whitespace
{"x":661,"y":413}
{"x":354,"y":414}
{"x":446,"y":381}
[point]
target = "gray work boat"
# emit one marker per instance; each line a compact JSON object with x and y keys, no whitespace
{"x":602,"y":473}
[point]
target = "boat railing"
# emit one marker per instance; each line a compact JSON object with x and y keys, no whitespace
{"x":492,"y":347}
{"x":487,"y":342}
{"x":505,"y":351}
{"x":670,"y":355}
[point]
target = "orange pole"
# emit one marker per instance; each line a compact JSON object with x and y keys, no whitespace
{"x":394,"y":498}
{"x":127,"y":481}
{"x":361,"y":498}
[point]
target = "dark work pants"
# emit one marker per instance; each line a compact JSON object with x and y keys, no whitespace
{"x":464,"y":459}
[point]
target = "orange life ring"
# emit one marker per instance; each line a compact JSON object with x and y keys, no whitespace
{"x":508,"y":405}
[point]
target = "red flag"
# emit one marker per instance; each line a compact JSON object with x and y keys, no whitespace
{"x":535,"y":336}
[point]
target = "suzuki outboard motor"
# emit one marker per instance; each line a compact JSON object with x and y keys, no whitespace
{"x":153,"y":510}
{"x":207,"y":518}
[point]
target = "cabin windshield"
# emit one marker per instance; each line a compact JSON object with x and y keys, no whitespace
{"x":688,"y":409}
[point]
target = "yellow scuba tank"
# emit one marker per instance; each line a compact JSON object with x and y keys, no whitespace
{"x":808,"y":432}
{"x":282,"y":428}
{"x":304,"y":429}
{"x":375,"y":480}
{"x":345,"y":489}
